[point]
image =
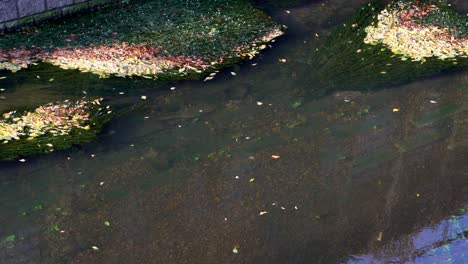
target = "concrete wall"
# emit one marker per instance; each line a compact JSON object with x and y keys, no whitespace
{"x":17,"y":13}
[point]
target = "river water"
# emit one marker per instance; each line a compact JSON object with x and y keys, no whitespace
{"x":192,"y":174}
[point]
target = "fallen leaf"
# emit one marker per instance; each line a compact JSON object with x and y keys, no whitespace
{"x":379,"y":237}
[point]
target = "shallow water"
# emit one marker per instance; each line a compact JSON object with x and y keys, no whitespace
{"x":183,"y":176}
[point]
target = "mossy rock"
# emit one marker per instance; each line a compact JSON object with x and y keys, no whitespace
{"x":345,"y":61}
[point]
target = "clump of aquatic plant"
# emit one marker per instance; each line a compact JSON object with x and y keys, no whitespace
{"x":391,"y":44}
{"x":146,"y":38}
{"x":399,"y":28}
{"x":51,"y":126}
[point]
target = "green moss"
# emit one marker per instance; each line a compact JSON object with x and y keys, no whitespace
{"x":345,"y":61}
{"x":73,"y":9}
{"x":52,"y":14}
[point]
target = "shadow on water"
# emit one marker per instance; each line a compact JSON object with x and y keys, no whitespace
{"x":185,"y":176}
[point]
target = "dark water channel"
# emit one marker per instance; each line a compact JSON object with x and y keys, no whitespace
{"x":187,"y":175}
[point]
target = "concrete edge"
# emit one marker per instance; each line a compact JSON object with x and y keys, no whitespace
{"x":65,"y":11}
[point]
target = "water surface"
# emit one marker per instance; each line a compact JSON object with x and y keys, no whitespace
{"x":183,"y":176}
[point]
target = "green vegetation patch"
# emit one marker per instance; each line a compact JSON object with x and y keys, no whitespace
{"x":50,"y":127}
{"x":179,"y":34}
{"x":345,"y":60}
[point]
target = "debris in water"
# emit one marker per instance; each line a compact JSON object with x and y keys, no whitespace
{"x":95,"y":248}
{"x":235,"y":251}
{"x":252,"y":180}
{"x":275,"y":156}
{"x":396,"y":110}
{"x":263,"y":212}
{"x":143,"y":97}
{"x":379,"y":237}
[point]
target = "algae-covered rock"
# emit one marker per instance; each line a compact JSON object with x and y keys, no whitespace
{"x":150,"y":38}
{"x":50,"y":127}
{"x":394,"y":43}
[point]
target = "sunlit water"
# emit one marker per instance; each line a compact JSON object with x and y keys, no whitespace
{"x":183,"y":176}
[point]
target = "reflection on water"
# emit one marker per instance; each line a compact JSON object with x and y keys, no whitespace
{"x":183,"y":176}
{"x":445,"y":242}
